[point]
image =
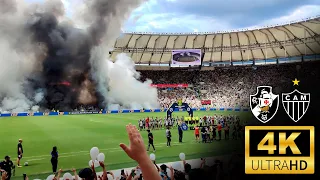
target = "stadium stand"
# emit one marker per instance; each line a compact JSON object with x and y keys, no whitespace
{"x":282,"y":42}
{"x":274,"y":54}
{"x":293,"y":42}
{"x":226,"y":87}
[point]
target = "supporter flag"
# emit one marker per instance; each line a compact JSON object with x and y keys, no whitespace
{"x":184,"y":126}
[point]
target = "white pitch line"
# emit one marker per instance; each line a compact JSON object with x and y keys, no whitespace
{"x":91,"y":120}
{"x":78,"y":152}
{"x":71,"y":154}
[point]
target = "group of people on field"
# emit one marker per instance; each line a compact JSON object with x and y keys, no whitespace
{"x":211,"y":128}
{"x":158,"y":123}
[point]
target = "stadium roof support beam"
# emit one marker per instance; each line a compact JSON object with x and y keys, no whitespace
{"x":185,"y":42}
{"x":286,"y":54}
{"x":135,"y":43}
{"x":304,"y":40}
{"x":278,"y":42}
{"x":214,"y":37}
{"x":237,"y":33}
{"x":154,"y":47}
{"x":255,"y":38}
{"x":194,"y":39}
{"x":204,"y":42}
{"x":245,"y":33}
{"x":269,"y":43}
{"x":135,"y":46}
{"x":231,"y":49}
{"x":129,"y":41}
{"x":221,"y":47}
{"x":164,"y":47}
{"x":289,"y":36}
{"x":144,"y":50}
{"x":308,"y":29}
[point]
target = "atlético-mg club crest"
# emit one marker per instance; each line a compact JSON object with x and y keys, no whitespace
{"x":296,"y":104}
{"x":264,"y":104}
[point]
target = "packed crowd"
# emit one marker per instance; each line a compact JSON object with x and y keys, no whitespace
{"x":223,"y":87}
{"x":146,"y":169}
{"x":227,"y":87}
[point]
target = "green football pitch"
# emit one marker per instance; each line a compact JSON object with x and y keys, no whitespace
{"x":75,"y":135}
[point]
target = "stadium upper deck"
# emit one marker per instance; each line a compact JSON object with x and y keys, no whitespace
{"x":286,"y":41}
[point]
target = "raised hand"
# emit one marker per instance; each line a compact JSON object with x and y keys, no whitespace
{"x":4,"y":175}
{"x":102,"y":164}
{"x":136,"y":149}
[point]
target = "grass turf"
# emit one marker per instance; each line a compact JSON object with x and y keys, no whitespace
{"x":75,"y":135}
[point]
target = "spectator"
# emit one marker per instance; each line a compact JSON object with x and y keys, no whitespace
{"x":87,"y":174}
{"x":4,"y":175}
{"x":137,"y":152}
{"x":75,"y":174}
{"x":168,"y":134}
{"x":54,"y":159}
{"x":226,"y":131}
{"x":219,"y":127}
{"x":164,"y":174}
{"x":204,"y":134}
{"x":6,"y":166}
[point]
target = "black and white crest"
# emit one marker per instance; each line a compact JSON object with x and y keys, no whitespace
{"x":296,"y":104}
{"x":264,"y":104}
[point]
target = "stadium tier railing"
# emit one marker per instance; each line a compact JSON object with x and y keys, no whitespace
{"x":116,"y":111}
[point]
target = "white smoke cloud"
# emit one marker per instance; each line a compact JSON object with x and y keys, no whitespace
{"x":16,"y":56}
{"x":117,"y":82}
{"x":124,"y":87}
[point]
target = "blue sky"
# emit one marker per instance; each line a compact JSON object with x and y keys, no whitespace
{"x":213,"y":15}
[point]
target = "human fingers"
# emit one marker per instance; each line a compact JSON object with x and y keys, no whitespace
{"x":130,"y":132}
{"x":136,"y":133}
{"x":125,"y":148}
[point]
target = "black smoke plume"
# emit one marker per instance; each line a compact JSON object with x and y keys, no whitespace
{"x":51,"y":64}
{"x":65,"y":66}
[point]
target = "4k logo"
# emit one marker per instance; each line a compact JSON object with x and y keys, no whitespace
{"x":296,"y":104}
{"x":264,"y":104}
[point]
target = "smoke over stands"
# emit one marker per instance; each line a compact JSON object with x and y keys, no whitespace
{"x":67,"y":66}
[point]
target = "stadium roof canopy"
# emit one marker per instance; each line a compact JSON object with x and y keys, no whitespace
{"x":294,"y":39}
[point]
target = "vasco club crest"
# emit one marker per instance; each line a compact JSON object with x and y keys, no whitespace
{"x":296,"y":104}
{"x":264,"y":104}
